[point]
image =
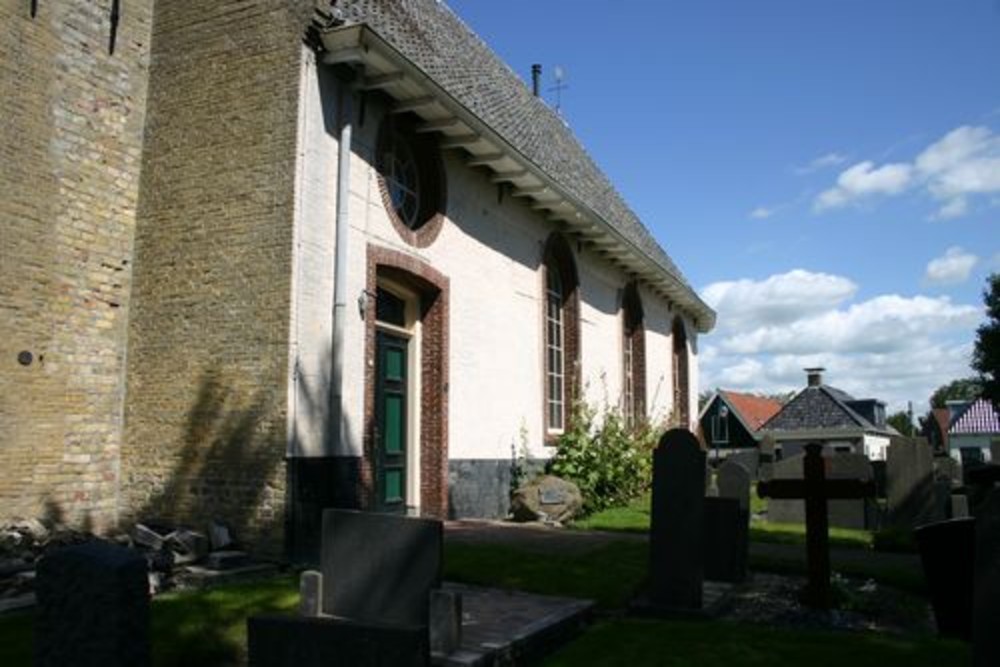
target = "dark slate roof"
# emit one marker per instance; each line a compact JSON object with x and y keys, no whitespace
{"x":820,"y":407}
{"x":434,"y":39}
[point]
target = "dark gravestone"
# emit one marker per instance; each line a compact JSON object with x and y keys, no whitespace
{"x":910,"y":484}
{"x":986,"y":601}
{"x":995,"y":450}
{"x":947,"y":550}
{"x":93,"y":607}
{"x":676,"y":566}
{"x":727,"y":523}
{"x":289,"y":641}
{"x":817,"y":490}
{"x":880,"y":475}
{"x":380,"y":568}
{"x":748,"y":458}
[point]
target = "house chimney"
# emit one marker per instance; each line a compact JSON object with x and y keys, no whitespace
{"x":536,"y":78}
{"x":814,"y":376}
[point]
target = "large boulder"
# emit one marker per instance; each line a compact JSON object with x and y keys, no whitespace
{"x":546,"y":498}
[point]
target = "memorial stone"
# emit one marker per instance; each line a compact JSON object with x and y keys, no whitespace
{"x":995,"y":450}
{"x":986,"y":600}
{"x":93,"y":607}
{"x":766,"y":460}
{"x":677,"y":517}
{"x":947,"y":548}
{"x":380,"y":568}
{"x":910,"y":484}
{"x":748,"y":458}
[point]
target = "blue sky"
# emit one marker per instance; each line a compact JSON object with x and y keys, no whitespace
{"x":825,"y":173}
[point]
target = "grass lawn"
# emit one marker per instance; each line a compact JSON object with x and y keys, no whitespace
{"x":208,"y":628}
{"x":634,"y":518}
{"x":639,"y":643}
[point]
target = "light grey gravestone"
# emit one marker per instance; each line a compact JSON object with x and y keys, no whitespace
{"x":858,"y":513}
{"x":910,"y":484}
{"x":766,"y":459}
{"x":727,"y":525}
{"x":786,"y":511}
{"x":93,"y":607}
{"x":986,"y":600}
{"x":676,"y":544}
{"x":959,"y":506}
{"x":380,"y":568}
{"x":311,"y":593}
{"x":748,"y":458}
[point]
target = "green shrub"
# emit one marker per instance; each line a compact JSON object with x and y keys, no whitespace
{"x":611,"y":462}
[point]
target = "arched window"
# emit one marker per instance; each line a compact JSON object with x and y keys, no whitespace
{"x":682,"y":411}
{"x":562,"y":337}
{"x":633,"y":357}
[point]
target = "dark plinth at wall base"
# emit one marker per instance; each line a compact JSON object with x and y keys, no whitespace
{"x":292,"y":641}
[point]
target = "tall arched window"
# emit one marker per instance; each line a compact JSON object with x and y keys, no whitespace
{"x":561,"y":334}
{"x":682,"y":411}
{"x":633,"y":357}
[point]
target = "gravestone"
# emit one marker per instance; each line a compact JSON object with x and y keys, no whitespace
{"x":727,"y":525}
{"x":959,"y":506}
{"x":995,"y":450}
{"x":948,"y":469}
{"x":748,"y":458}
{"x":910,"y":484}
{"x":93,"y":607}
{"x":380,"y":568}
{"x":766,"y":461}
{"x":858,"y":513}
{"x":817,"y":491}
{"x":986,"y":601}
{"x":947,"y":552}
{"x":676,"y":563}
{"x":293,"y":641}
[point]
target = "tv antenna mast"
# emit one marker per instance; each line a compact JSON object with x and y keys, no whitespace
{"x":560,"y":76}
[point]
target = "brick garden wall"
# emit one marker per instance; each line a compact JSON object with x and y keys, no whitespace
{"x":209,"y":331}
{"x":71,"y":122}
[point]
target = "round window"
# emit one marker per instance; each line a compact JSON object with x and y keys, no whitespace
{"x":411,"y":180}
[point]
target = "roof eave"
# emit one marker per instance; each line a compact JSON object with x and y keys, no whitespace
{"x":392,"y":72}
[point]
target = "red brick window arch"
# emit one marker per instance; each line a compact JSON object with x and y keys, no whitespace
{"x":682,"y":411}
{"x":633,"y":357}
{"x":561,"y":339}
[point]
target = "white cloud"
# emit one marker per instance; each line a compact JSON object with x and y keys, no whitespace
{"x":865,"y":180}
{"x":762,"y":213}
{"x":951,"y":268}
{"x":822,"y":162}
{"x":891,"y":347}
{"x":963,"y":163}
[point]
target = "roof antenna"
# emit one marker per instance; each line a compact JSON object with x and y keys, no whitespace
{"x":560,"y":76}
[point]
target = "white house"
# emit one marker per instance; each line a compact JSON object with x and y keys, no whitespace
{"x":973,"y":427}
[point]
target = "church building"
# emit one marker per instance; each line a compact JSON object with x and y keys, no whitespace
{"x":266,"y":257}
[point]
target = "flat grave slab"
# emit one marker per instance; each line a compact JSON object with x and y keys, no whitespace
{"x":502,"y":627}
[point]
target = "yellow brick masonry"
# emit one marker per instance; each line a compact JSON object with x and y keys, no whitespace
{"x":209,"y":326}
{"x":71,"y":127}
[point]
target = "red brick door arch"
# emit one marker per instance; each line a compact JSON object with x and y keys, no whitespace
{"x":432,"y":288}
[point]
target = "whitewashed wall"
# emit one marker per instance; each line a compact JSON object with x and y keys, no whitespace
{"x":491,"y":253}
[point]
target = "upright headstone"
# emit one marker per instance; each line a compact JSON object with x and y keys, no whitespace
{"x":948,"y":470}
{"x":676,"y":566}
{"x":995,"y":450}
{"x":986,"y":603}
{"x":781,"y":510}
{"x":910,"y":483}
{"x":947,"y":549}
{"x":380,"y":568}
{"x":727,"y":525}
{"x":93,"y":607}
{"x":748,"y":458}
{"x":767,"y":446}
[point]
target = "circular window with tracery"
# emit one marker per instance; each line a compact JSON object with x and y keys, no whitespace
{"x":411,"y":178}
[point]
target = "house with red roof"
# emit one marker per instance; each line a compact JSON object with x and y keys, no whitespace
{"x":731,"y":421}
{"x":974,"y":426}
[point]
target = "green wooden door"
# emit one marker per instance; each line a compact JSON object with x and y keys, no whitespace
{"x":391,"y":420}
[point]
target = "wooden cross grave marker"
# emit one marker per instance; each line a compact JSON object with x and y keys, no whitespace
{"x":816,"y":489}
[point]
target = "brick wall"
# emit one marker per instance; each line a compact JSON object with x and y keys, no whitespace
{"x":209,"y":330}
{"x":70,"y":142}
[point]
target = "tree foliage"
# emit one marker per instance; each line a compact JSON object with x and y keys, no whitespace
{"x":963,"y":389}
{"x":986,"y":354}
{"x":901,"y":422}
